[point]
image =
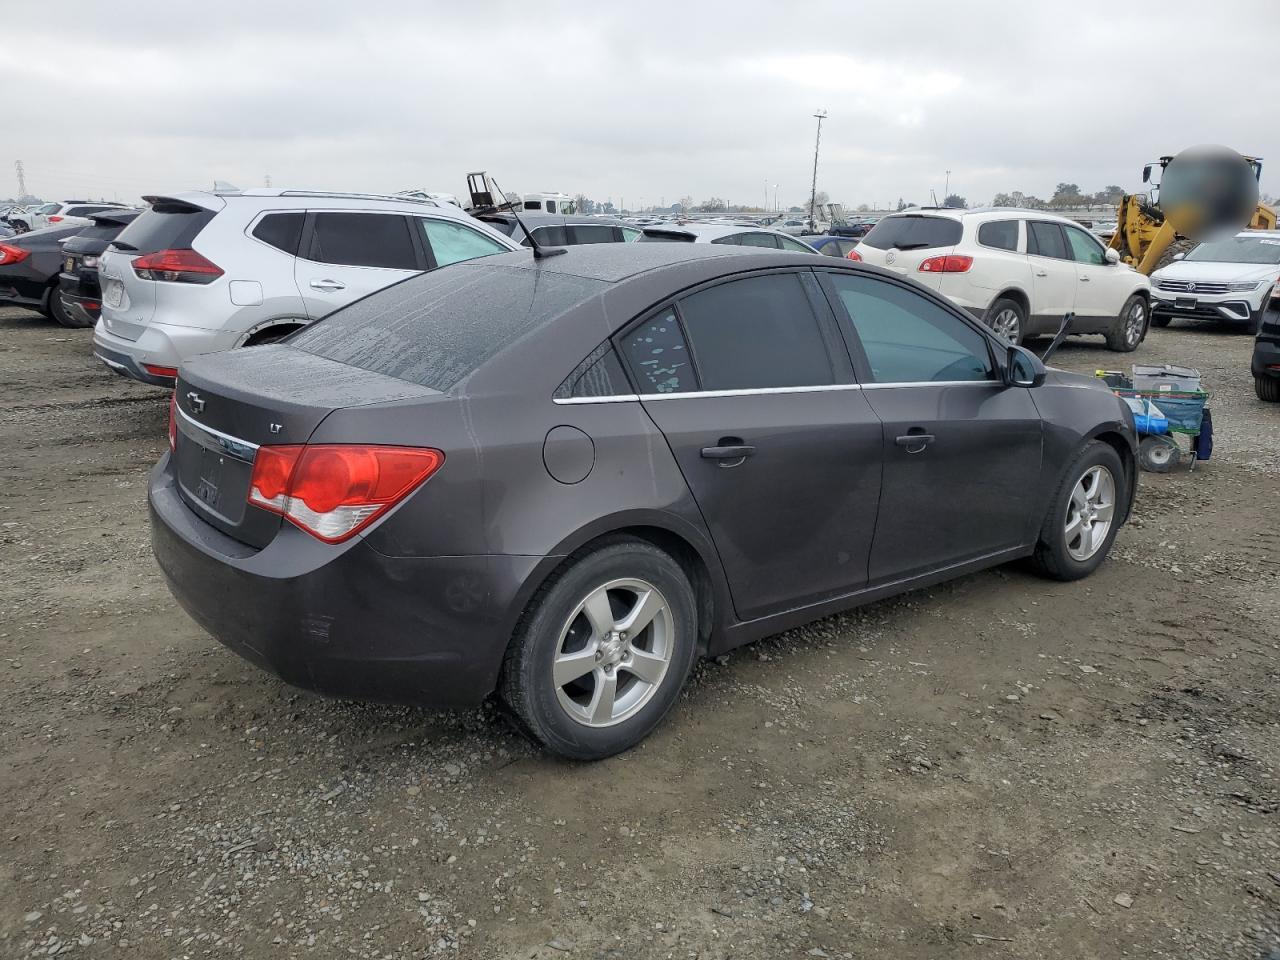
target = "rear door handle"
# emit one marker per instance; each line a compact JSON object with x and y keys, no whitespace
{"x":1042,"y":273}
{"x":329,"y":286}
{"x":915,"y":442}
{"x":1084,"y":279}
{"x":729,"y":454}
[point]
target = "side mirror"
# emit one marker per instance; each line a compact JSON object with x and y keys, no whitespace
{"x":1178,"y":256}
{"x":1112,"y":255}
{"x":1022,"y":368}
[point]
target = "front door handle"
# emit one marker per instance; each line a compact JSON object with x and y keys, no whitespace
{"x":328,"y":286}
{"x":1084,"y":279}
{"x":730,"y":451}
{"x":915,"y":442}
{"x":1042,"y":273}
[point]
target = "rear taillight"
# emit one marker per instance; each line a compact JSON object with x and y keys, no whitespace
{"x":176,"y":266}
{"x":853,"y":255}
{"x":54,"y":219}
{"x":332,"y":491}
{"x":10,"y":254}
{"x":173,"y":420}
{"x":951,"y":263}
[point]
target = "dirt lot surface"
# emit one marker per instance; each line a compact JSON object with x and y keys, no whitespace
{"x":1000,"y":767}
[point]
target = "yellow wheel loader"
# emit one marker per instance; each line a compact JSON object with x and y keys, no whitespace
{"x":1146,"y":240}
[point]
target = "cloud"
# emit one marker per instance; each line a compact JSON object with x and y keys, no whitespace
{"x":652,"y":101}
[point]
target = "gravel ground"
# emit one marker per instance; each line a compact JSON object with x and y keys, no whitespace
{"x":999,"y":766}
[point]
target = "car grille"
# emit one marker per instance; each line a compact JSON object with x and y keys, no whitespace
{"x":1192,"y":286}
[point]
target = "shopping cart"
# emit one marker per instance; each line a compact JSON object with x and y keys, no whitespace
{"x":1176,"y":393}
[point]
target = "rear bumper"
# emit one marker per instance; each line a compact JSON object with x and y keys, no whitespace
{"x":160,"y":345}
{"x":344,"y":620}
{"x":1266,"y":358}
{"x":82,"y":303}
{"x":127,"y":366}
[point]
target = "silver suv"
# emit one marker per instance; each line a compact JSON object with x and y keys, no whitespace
{"x":205,"y":272}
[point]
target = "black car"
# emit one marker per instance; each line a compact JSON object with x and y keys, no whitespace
{"x":832,"y":246}
{"x":852,"y":231}
{"x":29,"y":265}
{"x":567,"y":478}
{"x":560,"y":229}
{"x":1265,"y":365}
{"x":81,"y":293}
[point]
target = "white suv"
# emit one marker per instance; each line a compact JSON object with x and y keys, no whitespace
{"x":1229,"y":280}
{"x":1018,"y":271}
{"x":206,"y":272}
{"x":61,"y":214}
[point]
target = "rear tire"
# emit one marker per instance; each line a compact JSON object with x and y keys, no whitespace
{"x":1008,"y":320}
{"x":1267,"y":388}
{"x":575,"y":678}
{"x":1071,"y":543}
{"x":1130,"y":327}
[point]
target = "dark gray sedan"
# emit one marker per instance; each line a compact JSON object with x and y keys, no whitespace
{"x":564,"y":479}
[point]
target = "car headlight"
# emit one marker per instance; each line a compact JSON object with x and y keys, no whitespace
{"x":1243,"y":287}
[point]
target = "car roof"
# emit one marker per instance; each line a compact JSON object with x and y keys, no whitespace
{"x":708,"y":231}
{"x":614,"y":262}
{"x":535,"y":218}
{"x":304,"y":199}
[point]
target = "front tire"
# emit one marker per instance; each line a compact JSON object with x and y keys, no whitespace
{"x":603,"y":651}
{"x":1130,"y":327}
{"x":1083,"y":516}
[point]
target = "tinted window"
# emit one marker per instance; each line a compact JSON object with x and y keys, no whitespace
{"x":788,"y":244}
{"x":1084,"y":249}
{"x":756,"y":332}
{"x":548,"y":237}
{"x":1045,"y":240}
{"x":913,"y":232}
{"x":749,"y":240}
{"x":164,"y":227}
{"x":437,"y":327}
{"x":281,"y":230}
{"x":1002,"y":234}
{"x":84,"y":211}
{"x":831,"y":249}
{"x":103,"y":231}
{"x":453,"y":242}
{"x":533,"y":205}
{"x":907,"y":338}
{"x":363,"y":240}
{"x":551,"y":206}
{"x":665,"y":236}
{"x":593,"y":233}
{"x":658,"y":355}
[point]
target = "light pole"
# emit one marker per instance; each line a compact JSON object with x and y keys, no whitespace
{"x":946,"y":190}
{"x":775,"y":198}
{"x":820,"y":115}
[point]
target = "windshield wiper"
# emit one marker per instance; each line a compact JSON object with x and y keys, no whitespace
{"x":913,"y":246}
{"x":120,"y":245}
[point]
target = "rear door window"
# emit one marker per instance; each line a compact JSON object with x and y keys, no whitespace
{"x":454,"y":242}
{"x":1044,"y":239}
{"x":913,"y":232}
{"x":908,"y":338}
{"x":363,"y":240}
{"x":165,"y":226}
{"x":1001,"y":234}
{"x":281,"y":230}
{"x":548,"y":237}
{"x":797,"y":247}
{"x":756,"y":332}
{"x":659,"y":355}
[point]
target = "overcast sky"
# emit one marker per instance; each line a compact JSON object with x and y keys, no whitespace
{"x":638,"y":100}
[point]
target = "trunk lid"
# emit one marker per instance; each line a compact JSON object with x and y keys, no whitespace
{"x":230,"y":404}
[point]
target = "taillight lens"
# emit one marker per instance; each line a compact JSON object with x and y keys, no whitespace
{"x":176,"y":266}
{"x":951,"y":263}
{"x":332,"y":491}
{"x":158,"y":371}
{"x":11,"y":254}
{"x":173,"y":420}
{"x":55,"y":219}
{"x":853,"y":255}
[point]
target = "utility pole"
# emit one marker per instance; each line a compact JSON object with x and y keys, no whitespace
{"x":266,"y":180}
{"x":946,"y":191}
{"x":820,"y":115}
{"x":22,"y":179}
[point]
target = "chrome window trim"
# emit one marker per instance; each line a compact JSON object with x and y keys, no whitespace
{"x":765,"y":391}
{"x":233,"y":446}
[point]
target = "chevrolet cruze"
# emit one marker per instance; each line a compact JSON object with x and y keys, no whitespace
{"x":564,"y":478}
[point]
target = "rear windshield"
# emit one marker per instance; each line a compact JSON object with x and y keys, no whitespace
{"x":163,"y":227}
{"x":663,"y":236}
{"x":100,"y":232}
{"x":913,"y":232}
{"x":436,"y":328}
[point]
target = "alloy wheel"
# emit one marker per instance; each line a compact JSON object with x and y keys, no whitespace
{"x":1134,"y":321}
{"x":1090,"y":513}
{"x":613,"y":652}
{"x":1005,"y":324}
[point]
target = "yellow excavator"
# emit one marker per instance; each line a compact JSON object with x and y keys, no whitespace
{"x":1146,"y":240}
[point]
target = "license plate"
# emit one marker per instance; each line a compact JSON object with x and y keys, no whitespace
{"x":113,"y":291}
{"x":71,"y":264}
{"x":1185,"y":303}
